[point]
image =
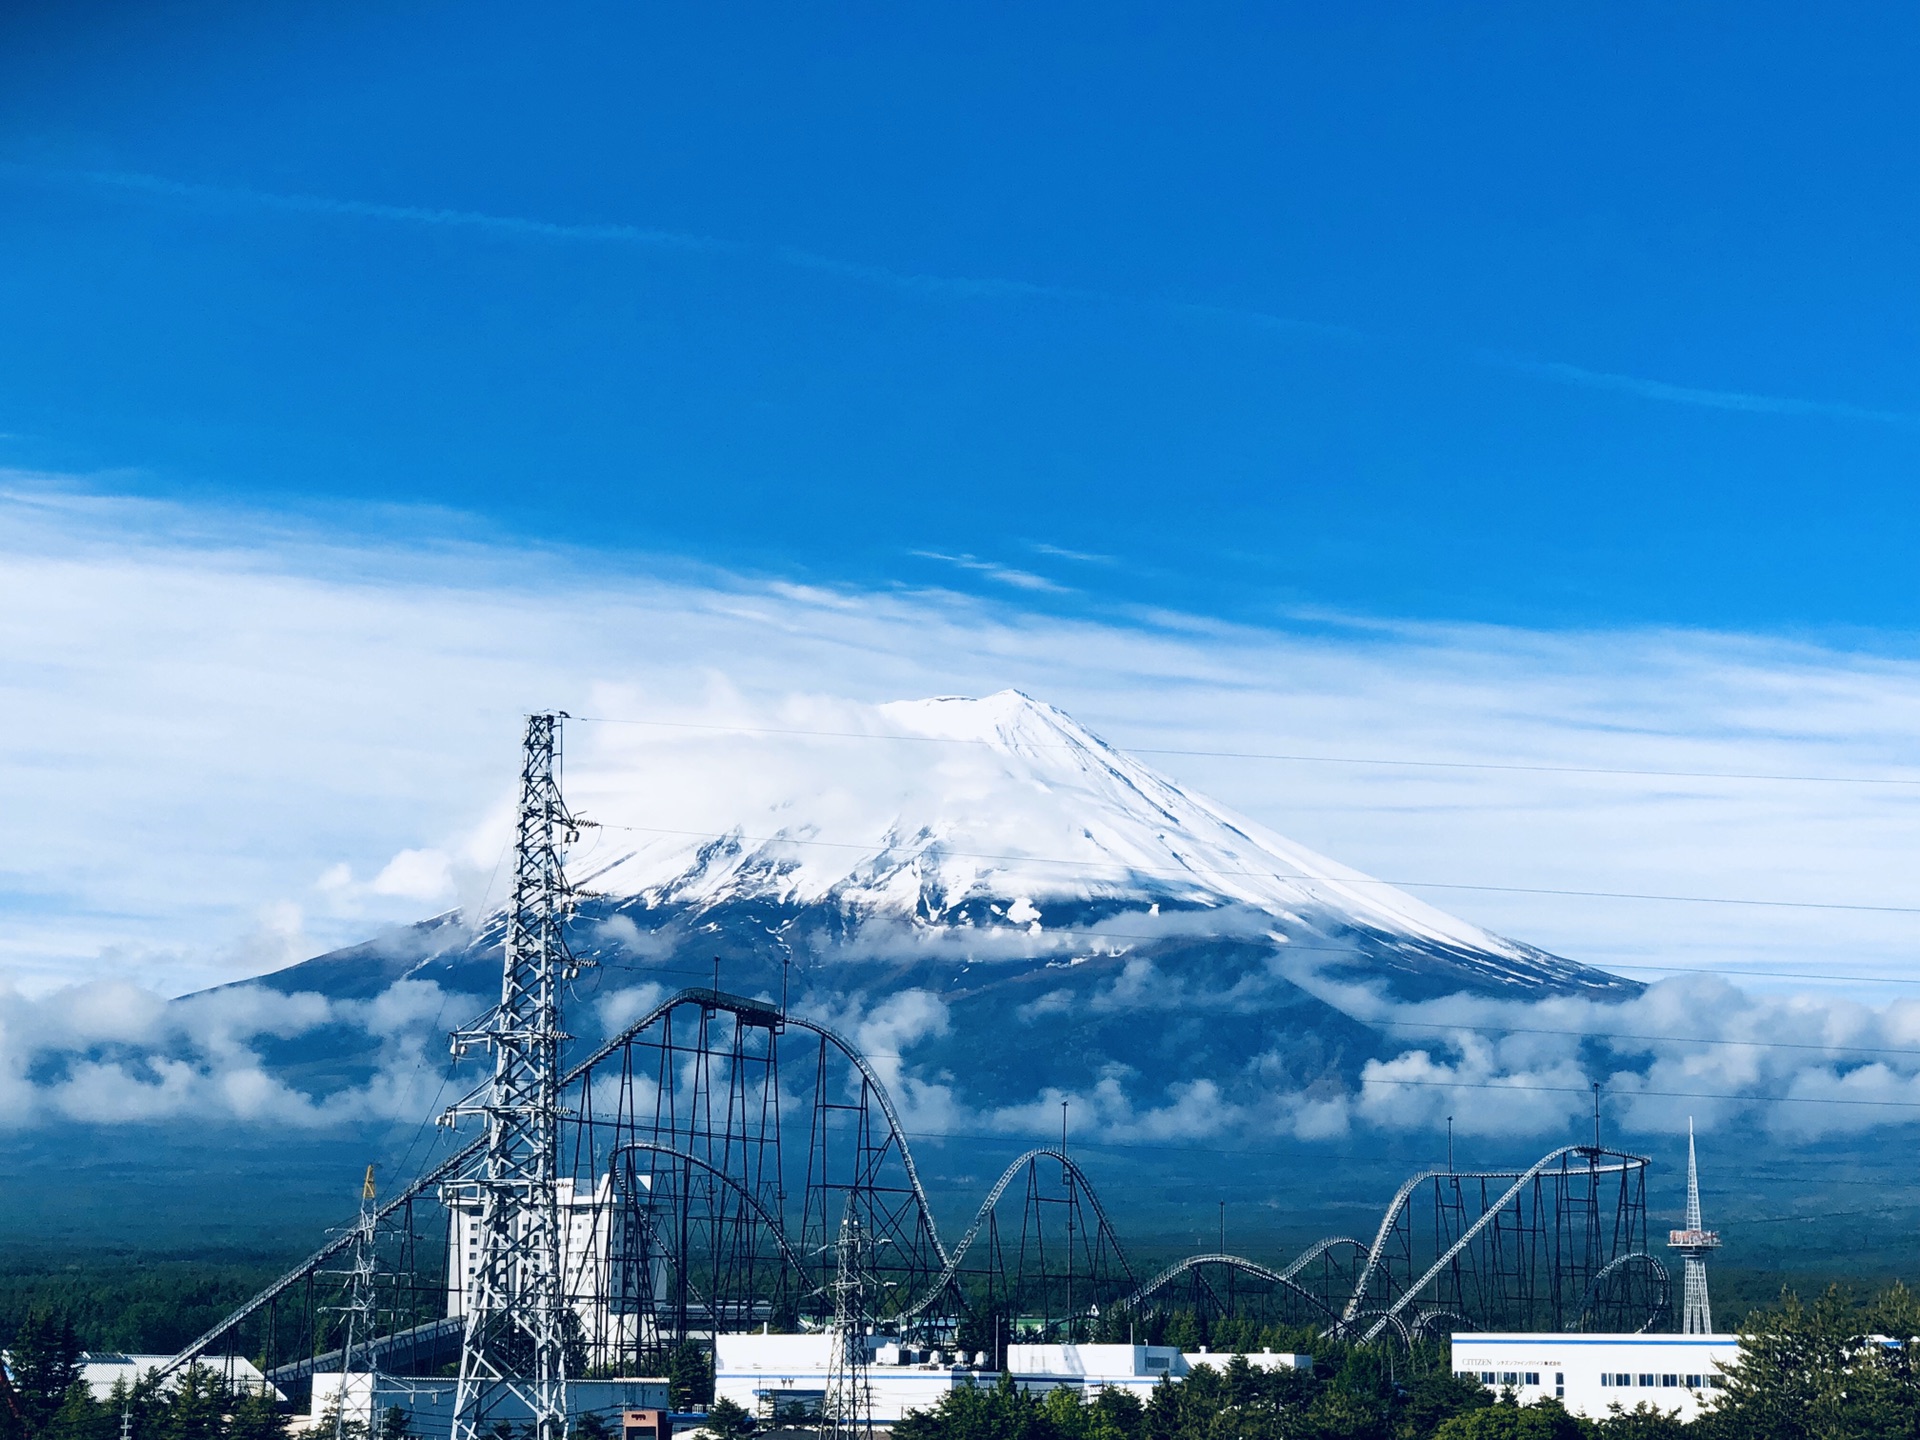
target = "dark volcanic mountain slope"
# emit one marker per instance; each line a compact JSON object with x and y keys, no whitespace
{"x":1022,"y":911}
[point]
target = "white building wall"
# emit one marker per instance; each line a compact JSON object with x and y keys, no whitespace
{"x":1590,"y":1374}
{"x":1192,"y":1360}
{"x":586,"y":1224}
{"x":353,"y":1394}
{"x":1133,"y":1368}
{"x":101,"y":1370}
{"x":758,"y":1372}
{"x":1137,"y":1368}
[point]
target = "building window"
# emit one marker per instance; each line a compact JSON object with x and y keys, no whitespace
{"x":1487,"y":1377}
{"x":1693,"y":1382}
{"x":1646,"y":1379}
{"x":1714,"y":1382}
{"x":1670,"y":1381}
{"x":1533,"y":1377}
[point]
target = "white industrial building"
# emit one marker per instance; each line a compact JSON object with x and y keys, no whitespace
{"x":585,"y":1225}
{"x":1133,"y":1368}
{"x":429,"y":1402}
{"x":1590,"y":1374}
{"x":764,"y":1374}
{"x":101,"y":1369}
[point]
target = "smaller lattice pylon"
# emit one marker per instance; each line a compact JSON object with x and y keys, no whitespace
{"x":846,"y":1410}
{"x":360,"y":1307}
{"x":1694,"y":1244}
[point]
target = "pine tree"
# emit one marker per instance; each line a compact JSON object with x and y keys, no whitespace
{"x":44,"y":1361}
{"x":196,"y":1409}
{"x":13,"y":1425}
{"x":80,"y":1416}
{"x":689,"y":1377}
{"x":256,"y":1417}
{"x":726,"y":1418}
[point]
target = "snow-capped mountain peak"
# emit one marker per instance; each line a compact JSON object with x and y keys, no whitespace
{"x":923,"y":808}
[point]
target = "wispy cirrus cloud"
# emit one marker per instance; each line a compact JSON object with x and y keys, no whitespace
{"x":1061,"y":552}
{"x":960,"y":287}
{"x":994,"y":570}
{"x":1695,"y":395}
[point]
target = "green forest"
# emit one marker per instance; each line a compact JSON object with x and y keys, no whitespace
{"x":1838,"y":1368}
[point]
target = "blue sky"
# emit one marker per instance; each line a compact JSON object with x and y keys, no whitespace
{"x":1509,"y":384}
{"x":1545,"y":316}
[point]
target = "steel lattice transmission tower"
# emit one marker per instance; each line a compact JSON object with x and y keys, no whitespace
{"x":361,"y":1308}
{"x":1695,"y":1244}
{"x":517,"y":1315}
{"x":846,"y":1411}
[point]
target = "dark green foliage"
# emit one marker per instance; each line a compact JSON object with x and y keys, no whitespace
{"x":396,"y":1424}
{"x":590,"y":1426}
{"x":726,"y":1418}
{"x":44,"y":1360}
{"x":150,"y":1306}
{"x":1000,"y":1413}
{"x":1501,"y":1422}
{"x":1355,"y":1394}
{"x":1806,"y":1373}
{"x":81,"y":1417}
{"x":256,"y":1417}
{"x":689,"y":1378}
{"x":1644,"y":1422}
{"x":1437,"y":1396}
{"x":197,"y":1408}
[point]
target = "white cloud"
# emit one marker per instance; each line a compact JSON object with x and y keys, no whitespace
{"x":204,"y":713}
{"x":111,"y":1053}
{"x":416,"y":875}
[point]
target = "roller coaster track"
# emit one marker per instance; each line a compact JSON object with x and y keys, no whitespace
{"x":749,"y":1011}
{"x":952,"y":1262}
{"x":1314,"y":1251}
{"x":1244,"y":1266}
{"x":1486,"y":1217}
{"x":767,"y":1218}
{"x":1620,"y":1262}
{"x":759,"y":1012}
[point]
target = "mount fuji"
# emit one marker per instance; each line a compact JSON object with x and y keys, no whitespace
{"x":1002,"y":907}
{"x":1005,"y":914}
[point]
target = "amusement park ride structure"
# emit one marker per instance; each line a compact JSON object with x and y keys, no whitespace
{"x":724,"y":1164}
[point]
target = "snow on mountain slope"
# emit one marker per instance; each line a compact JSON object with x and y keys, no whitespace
{"x":944,"y":803}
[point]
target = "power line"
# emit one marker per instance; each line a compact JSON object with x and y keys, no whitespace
{"x":1286,"y":756}
{"x":1200,"y":870}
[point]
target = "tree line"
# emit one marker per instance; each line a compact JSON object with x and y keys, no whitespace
{"x":1834,"y":1369}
